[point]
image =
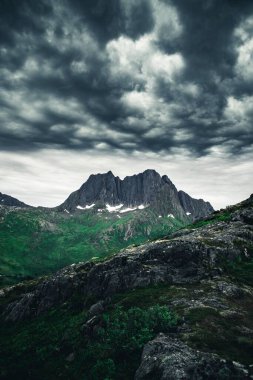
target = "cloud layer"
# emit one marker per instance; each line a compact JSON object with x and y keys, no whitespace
{"x":120,"y":75}
{"x":125,"y":85}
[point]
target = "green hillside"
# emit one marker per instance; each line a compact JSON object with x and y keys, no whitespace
{"x":36,"y":242}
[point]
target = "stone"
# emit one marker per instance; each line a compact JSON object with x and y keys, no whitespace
{"x":166,"y":358}
{"x":96,"y":309}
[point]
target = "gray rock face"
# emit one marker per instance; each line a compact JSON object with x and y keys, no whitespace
{"x":7,"y":200}
{"x":147,"y":188}
{"x":196,"y":207}
{"x":166,"y":358}
{"x":191,"y":256}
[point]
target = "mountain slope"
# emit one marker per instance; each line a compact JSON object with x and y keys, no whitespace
{"x":147,"y":189}
{"x":196,"y":207}
{"x":35,"y":242}
{"x":203,"y":274}
{"x":7,"y":200}
{"x":104,"y":216}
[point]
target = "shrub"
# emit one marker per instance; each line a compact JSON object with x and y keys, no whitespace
{"x":122,"y":336}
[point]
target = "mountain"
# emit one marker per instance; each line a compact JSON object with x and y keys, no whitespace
{"x":175,"y":308}
{"x":105,"y":215}
{"x":7,"y":200}
{"x":147,"y":189}
{"x":38,"y":241}
{"x":196,"y":207}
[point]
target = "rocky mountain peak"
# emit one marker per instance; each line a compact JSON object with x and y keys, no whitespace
{"x":147,"y":189}
{"x":150,"y":173}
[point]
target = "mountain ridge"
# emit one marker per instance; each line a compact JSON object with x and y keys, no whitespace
{"x":147,"y":189}
{"x":8,"y":200}
{"x":36,"y":241}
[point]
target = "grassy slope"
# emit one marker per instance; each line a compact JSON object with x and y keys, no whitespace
{"x":43,"y":348}
{"x":37,"y":242}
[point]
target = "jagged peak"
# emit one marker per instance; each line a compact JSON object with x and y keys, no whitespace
{"x":146,"y":173}
{"x":109,"y":173}
{"x":147,"y":187}
{"x":166,"y":179}
{"x":150,"y":171}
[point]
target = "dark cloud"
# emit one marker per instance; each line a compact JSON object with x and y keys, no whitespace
{"x":112,"y":18}
{"x":21,"y":16}
{"x":133,"y":76}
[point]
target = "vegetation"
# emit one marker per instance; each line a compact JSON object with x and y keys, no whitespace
{"x":225,"y":334}
{"x":56,"y":343}
{"x":220,"y":216}
{"x":38,"y":242}
{"x":241,"y":270}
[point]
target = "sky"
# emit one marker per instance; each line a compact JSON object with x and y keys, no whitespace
{"x":126,"y":85}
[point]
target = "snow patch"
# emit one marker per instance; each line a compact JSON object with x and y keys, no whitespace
{"x":159,"y":216}
{"x":141,"y":207}
{"x":128,"y":209}
{"x":188,"y":213}
{"x":66,"y":211}
{"x":87,"y":207}
{"x":171,"y":216}
{"x":114,"y":208}
{"x":90,"y":206}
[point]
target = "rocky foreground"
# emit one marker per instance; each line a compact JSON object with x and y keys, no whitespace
{"x":203,"y":273}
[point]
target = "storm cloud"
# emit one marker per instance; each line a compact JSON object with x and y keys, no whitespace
{"x":126,"y":85}
{"x":124,"y":75}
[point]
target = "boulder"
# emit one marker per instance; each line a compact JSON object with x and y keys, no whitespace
{"x":165,"y":358}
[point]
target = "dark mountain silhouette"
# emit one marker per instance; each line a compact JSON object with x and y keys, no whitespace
{"x":147,"y":189}
{"x":7,"y":200}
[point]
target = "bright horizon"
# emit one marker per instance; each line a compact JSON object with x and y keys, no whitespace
{"x":47,"y":178}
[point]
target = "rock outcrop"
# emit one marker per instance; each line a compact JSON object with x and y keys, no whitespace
{"x":166,"y":358}
{"x":146,"y":189}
